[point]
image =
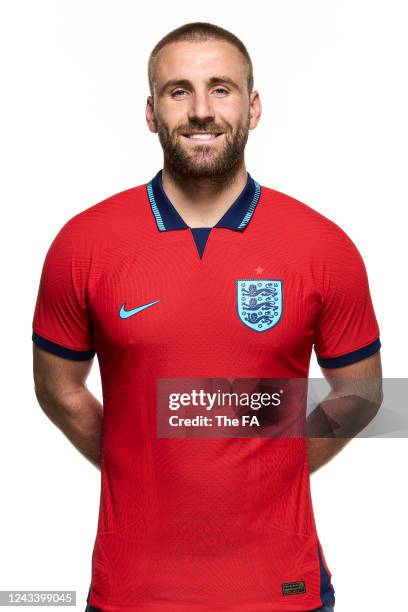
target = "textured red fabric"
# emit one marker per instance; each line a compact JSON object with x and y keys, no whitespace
{"x":194,"y":525}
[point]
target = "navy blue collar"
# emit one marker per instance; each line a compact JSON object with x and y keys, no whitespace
{"x":237,"y":216}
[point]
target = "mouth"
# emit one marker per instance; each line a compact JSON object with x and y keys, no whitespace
{"x":202,"y":136}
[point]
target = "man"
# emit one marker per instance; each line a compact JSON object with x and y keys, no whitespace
{"x":162,"y":281}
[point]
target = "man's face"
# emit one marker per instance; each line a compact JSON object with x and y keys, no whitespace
{"x":202,"y":110}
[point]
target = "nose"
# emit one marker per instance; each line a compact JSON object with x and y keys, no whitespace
{"x":201,"y":108}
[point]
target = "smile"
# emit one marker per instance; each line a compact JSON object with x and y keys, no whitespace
{"x":203,"y":136}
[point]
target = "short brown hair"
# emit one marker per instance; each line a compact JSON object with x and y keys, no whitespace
{"x":199,"y":31}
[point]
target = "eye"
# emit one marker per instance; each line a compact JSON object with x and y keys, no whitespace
{"x":221,"y":89}
{"x":175,"y":94}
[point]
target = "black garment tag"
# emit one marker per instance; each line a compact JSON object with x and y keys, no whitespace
{"x":293,"y":588}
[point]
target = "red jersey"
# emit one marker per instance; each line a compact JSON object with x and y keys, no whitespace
{"x":203,"y":524}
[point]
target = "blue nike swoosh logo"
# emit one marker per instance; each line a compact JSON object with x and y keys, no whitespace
{"x":125,"y":314}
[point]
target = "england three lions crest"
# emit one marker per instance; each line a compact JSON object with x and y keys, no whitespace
{"x":259,"y":303}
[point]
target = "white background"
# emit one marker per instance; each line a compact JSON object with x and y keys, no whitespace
{"x":332,"y":79}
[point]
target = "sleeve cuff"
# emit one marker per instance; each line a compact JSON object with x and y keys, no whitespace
{"x":349,"y":358}
{"x":62,"y":351}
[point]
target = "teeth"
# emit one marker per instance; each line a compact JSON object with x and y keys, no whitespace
{"x":202,"y":136}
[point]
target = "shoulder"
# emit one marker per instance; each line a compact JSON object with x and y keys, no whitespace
{"x":88,"y":245}
{"x":113,"y":218}
{"x":306,"y":227}
{"x":113,"y":210}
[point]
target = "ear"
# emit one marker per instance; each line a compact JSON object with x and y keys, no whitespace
{"x":150,"y":120}
{"x":255,"y":109}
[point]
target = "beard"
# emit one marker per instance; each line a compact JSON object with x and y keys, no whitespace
{"x":203,"y":161}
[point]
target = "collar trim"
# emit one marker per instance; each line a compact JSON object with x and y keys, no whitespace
{"x":155,"y":208}
{"x":252,"y":207}
{"x":237,"y":217}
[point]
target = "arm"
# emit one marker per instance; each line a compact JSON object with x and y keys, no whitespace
{"x":354,"y":400}
{"x":61,"y":391}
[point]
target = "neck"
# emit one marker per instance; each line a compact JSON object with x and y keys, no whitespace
{"x":201,"y":202}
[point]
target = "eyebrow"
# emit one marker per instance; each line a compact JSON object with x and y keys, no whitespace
{"x":187,"y":84}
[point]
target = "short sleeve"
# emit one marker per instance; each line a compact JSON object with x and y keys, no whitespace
{"x":346,"y":330}
{"x":61,"y":322}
